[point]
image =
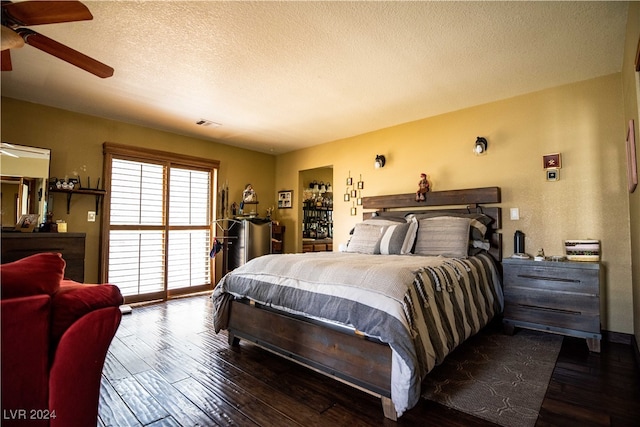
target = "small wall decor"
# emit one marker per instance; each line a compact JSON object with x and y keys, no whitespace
{"x":360,"y":183}
{"x":553,"y":175}
{"x":347,"y":196}
{"x":285,"y":199}
{"x":423,"y":188}
{"x":354,"y":210}
{"x":349,"y":179}
{"x":249,"y":195}
{"x":552,"y":161}
{"x":632,"y":163}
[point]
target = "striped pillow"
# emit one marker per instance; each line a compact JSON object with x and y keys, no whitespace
{"x":398,"y":239}
{"x":445,"y":235}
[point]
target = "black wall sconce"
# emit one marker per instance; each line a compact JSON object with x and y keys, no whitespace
{"x":480,"y":146}
{"x":380,"y":161}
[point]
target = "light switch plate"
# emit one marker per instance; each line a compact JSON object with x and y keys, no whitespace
{"x":514,"y":214}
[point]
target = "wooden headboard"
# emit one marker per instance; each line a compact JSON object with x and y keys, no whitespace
{"x":470,"y":200}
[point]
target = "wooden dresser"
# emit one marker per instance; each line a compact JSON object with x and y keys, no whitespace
{"x":71,"y":245}
{"x":559,"y":297}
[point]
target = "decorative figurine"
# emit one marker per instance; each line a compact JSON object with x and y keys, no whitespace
{"x":249,"y":195}
{"x":540,"y":255}
{"x":423,"y":188}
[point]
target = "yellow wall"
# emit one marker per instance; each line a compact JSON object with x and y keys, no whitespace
{"x":631,"y":84}
{"x":582,"y":121}
{"x":76,"y":141}
{"x":585,"y":121}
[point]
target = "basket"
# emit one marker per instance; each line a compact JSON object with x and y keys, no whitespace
{"x":582,"y":250}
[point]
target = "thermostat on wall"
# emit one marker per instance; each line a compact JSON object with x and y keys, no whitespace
{"x":553,"y":174}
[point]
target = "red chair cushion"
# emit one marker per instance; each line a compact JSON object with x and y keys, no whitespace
{"x":34,"y":275}
{"x":24,"y":357}
{"x":73,"y":300}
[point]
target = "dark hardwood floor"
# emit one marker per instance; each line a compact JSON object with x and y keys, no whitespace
{"x":166,"y":367}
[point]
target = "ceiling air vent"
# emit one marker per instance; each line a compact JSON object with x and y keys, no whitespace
{"x":205,"y":122}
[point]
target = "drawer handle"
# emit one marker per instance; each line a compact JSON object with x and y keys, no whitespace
{"x":552,"y":279}
{"x":555,"y":310}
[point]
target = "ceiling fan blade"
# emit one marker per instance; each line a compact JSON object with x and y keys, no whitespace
{"x":10,"y":39}
{"x":45,"y":12}
{"x":5,"y":60}
{"x":65,"y":53}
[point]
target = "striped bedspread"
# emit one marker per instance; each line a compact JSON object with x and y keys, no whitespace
{"x":423,"y":307}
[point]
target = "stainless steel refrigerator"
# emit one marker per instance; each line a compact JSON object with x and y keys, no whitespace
{"x":248,"y":239}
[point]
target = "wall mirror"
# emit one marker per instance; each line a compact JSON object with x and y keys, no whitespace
{"x":24,"y":172}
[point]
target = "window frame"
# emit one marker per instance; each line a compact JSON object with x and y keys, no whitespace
{"x":168,"y":160}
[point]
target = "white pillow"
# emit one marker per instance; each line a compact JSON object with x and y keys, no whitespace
{"x":445,"y":235}
{"x":366,"y":239}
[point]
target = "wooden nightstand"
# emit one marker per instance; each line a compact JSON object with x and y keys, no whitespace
{"x":559,"y":297}
{"x":277,"y":239}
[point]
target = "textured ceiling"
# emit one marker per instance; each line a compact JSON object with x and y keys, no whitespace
{"x":279,"y":76}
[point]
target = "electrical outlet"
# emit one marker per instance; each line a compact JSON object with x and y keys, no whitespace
{"x":514,"y":214}
{"x":91,"y":216}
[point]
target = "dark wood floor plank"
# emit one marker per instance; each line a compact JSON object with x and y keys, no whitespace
{"x":218,"y":409}
{"x":166,"y":422}
{"x":167,"y":367}
{"x":182,"y":410}
{"x":127,"y":357}
{"x":139,"y":400}
{"x":295,"y":405}
{"x":254,"y":408}
{"x":112,"y":410}
{"x":113,"y":369}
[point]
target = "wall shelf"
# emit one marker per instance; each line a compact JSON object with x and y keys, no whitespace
{"x":99,"y":194}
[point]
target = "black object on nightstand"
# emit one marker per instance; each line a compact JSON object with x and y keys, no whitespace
{"x":558,"y":297}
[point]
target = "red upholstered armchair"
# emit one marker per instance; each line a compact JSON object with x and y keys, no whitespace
{"x":55,"y":337}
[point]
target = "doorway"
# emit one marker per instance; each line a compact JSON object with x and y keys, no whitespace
{"x":316,"y":209}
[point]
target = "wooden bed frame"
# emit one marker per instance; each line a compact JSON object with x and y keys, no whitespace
{"x":339,"y":352}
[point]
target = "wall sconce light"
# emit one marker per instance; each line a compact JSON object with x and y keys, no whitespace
{"x":481,"y":146}
{"x":380,"y":161}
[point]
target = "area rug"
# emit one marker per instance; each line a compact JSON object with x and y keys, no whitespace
{"x":497,"y":377}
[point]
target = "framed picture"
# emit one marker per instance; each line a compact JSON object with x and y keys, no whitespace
{"x":553,"y":175}
{"x":632,"y":162}
{"x":285,"y":199}
{"x":552,"y":161}
{"x":360,"y":185}
{"x":27,"y":223}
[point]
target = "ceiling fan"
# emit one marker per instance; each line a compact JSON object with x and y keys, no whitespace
{"x":15,"y":16}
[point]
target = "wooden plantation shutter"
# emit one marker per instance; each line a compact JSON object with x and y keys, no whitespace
{"x":158,"y":222}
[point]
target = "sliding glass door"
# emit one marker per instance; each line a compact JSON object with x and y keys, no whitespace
{"x":159,"y":216}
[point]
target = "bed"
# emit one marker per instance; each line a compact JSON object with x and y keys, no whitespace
{"x":414,"y":283}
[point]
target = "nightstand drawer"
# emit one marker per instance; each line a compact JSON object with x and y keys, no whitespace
{"x":576,"y":280}
{"x":573,"y":302}
{"x":582,"y":314}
